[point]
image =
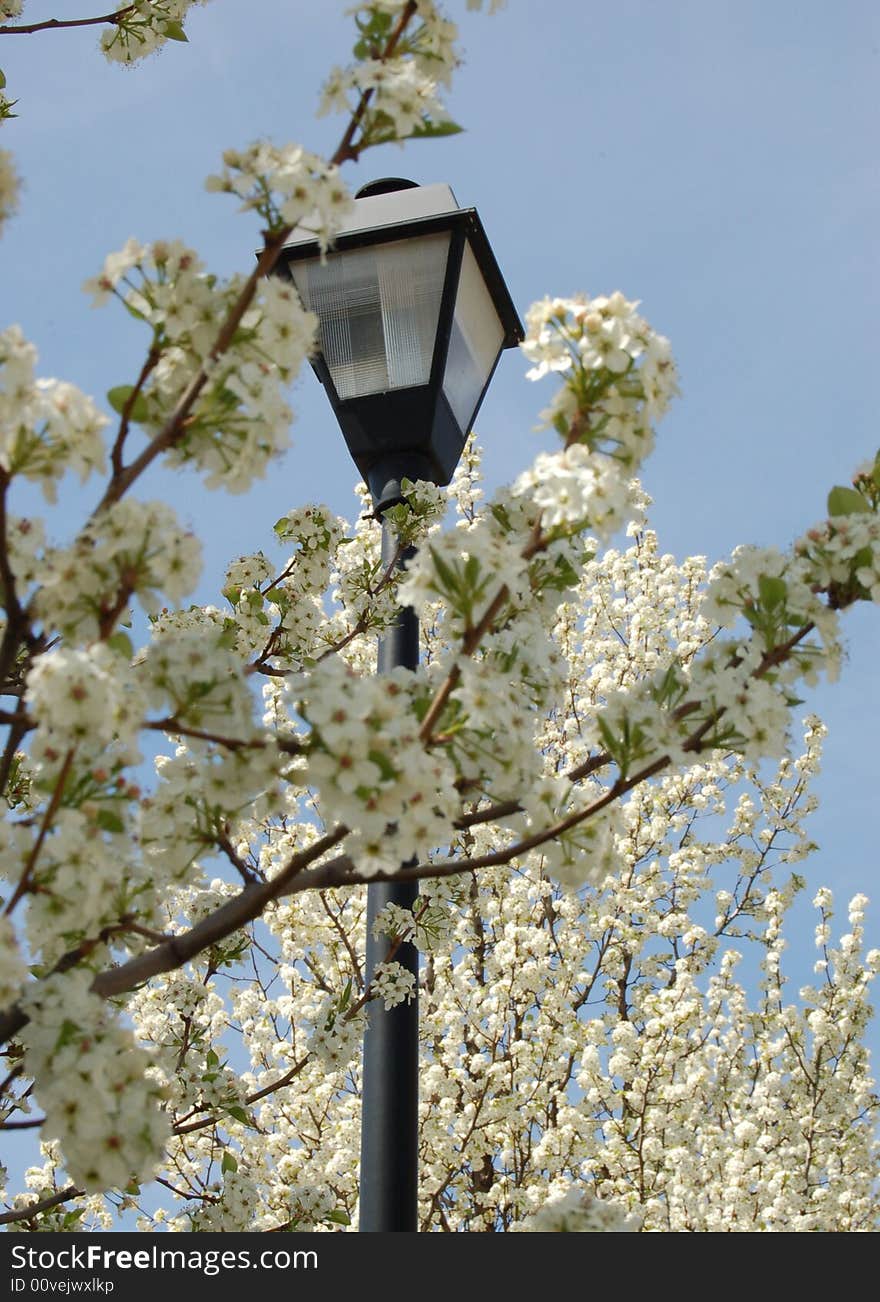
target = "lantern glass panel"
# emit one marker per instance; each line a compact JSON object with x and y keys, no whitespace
{"x":475,"y":342}
{"x":378,"y":309}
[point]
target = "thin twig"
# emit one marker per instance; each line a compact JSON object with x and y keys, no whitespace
{"x":149,"y":365}
{"x":48,"y":816}
{"x":55,"y":24}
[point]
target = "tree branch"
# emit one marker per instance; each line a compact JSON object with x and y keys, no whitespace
{"x":55,"y":24}
{"x":44,"y":1205}
{"x":51,"y":810}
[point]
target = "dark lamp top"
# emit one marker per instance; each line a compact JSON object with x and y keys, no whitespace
{"x":385,"y":185}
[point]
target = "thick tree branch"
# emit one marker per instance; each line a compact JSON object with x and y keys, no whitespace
{"x":230,"y":917}
{"x":44,"y":1205}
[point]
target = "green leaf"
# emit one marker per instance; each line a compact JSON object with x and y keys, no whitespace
{"x":846,"y":501}
{"x":109,"y":821}
{"x":383,"y":764}
{"x":772,"y":591}
{"x":472,"y":572}
{"x":448,"y":577}
{"x":119,"y":398}
{"x":229,"y":1163}
{"x":611,"y":743}
{"x":211,"y":1059}
{"x":430,"y":129}
{"x":339,"y":1216}
{"x":121,"y":643}
{"x":2,"y":79}
{"x":236,"y":1111}
{"x":279,"y":597}
{"x":67,"y":1034}
{"x":174,"y":31}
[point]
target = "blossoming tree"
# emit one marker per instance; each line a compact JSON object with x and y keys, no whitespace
{"x":593,"y":775}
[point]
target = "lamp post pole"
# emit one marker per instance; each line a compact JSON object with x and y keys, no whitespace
{"x":390,"y":1100}
{"x":413,"y":316}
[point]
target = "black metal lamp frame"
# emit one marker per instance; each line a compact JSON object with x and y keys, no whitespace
{"x":412,"y":432}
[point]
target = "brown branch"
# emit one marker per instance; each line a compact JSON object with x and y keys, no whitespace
{"x":361,"y":626}
{"x":48,"y":816}
{"x":55,"y":24}
{"x":224,"y":844}
{"x":347,"y":151}
{"x":44,"y":1205}
{"x":470,"y":642}
{"x":173,"y":726}
{"x":125,"y":418}
{"x":336,"y":923}
{"x":230,"y":917}
{"x":271,"y":1088}
{"x":474,"y":635}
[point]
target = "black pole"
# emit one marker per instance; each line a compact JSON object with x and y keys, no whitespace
{"x":390,"y":1103}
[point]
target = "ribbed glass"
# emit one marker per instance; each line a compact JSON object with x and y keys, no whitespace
{"x":378,"y":308}
{"x":474,"y":345}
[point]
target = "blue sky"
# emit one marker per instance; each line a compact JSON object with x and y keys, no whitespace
{"x":717,"y":160}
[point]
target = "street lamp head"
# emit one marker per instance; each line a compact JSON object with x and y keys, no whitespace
{"x":414,"y":314}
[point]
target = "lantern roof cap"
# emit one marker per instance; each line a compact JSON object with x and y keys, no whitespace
{"x":387,"y":207}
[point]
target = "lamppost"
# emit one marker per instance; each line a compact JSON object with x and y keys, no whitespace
{"x":413,"y":316}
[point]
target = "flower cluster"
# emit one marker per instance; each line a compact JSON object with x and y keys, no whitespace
{"x":130,"y":549}
{"x":369,"y":766}
{"x":46,"y":426}
{"x":576,"y":852}
{"x":194,"y":676}
{"x":286,"y":186}
{"x":578,"y":1211}
{"x":240,"y":419}
{"x":778,"y":595}
{"x":576,"y":490}
{"x":145,"y":26}
{"x":392,"y":984}
{"x":91,"y":1078}
{"x":368,"y":588}
{"x":397,"y":92}
{"x":335,"y":1039}
{"x":13,"y":972}
{"x":83,"y":703}
{"x":619,"y":375}
{"x":842,"y":556}
{"x":87,"y":876}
